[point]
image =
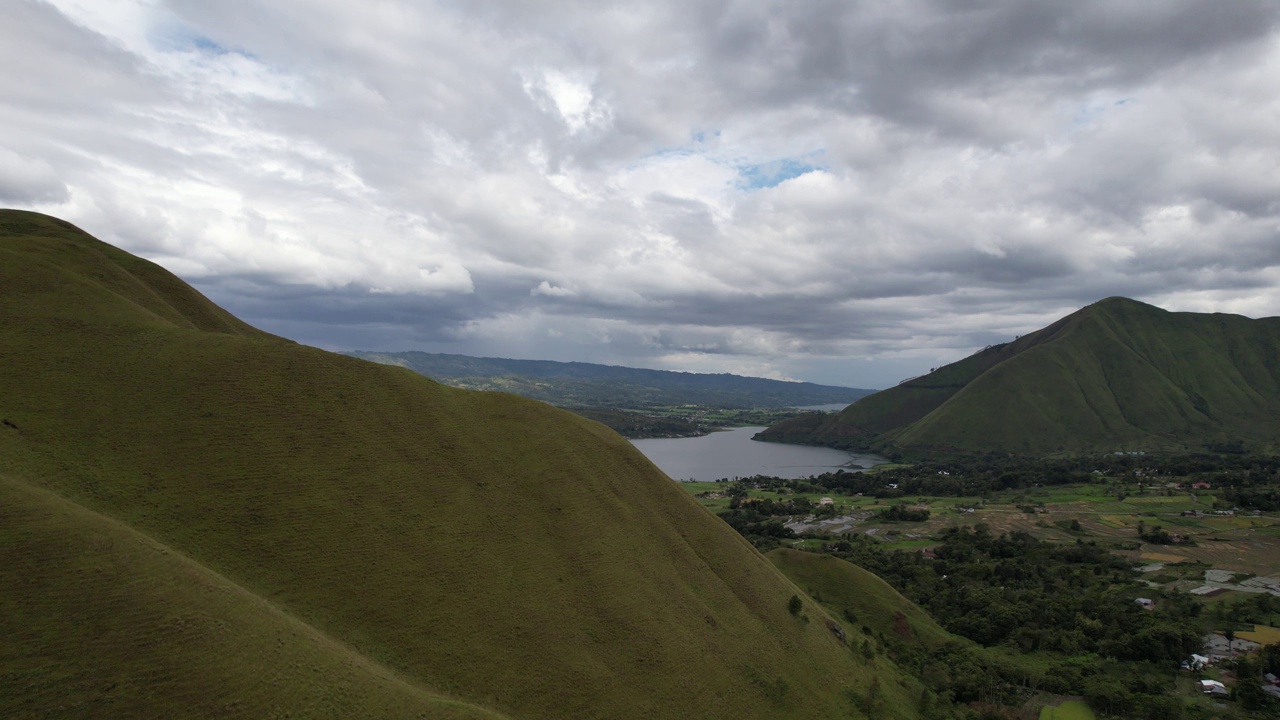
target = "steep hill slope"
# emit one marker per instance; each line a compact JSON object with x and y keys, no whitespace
{"x":1116,"y":375}
{"x":849,"y":591}
{"x":435,"y":542}
{"x":82,"y":594}
{"x":588,"y":385}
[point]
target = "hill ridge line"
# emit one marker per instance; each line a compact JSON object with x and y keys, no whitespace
{"x":1118,"y":373}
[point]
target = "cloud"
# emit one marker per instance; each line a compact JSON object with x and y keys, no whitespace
{"x":546,"y":288}
{"x":841,"y":192}
{"x":27,"y":180}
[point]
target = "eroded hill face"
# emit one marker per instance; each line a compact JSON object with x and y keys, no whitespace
{"x":476,"y":547}
{"x":1117,"y":375}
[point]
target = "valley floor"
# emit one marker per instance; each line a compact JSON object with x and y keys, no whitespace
{"x":1200,"y":547}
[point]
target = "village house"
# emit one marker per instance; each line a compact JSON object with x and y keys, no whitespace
{"x":1213,"y":687}
{"x":1197,"y":662}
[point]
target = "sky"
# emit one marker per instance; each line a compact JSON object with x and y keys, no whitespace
{"x":838,"y":191}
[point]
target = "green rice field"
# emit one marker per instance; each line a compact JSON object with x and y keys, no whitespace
{"x":1070,"y":710}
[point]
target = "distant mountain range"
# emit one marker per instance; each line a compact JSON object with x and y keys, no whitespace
{"x":588,"y":385}
{"x":1116,"y":376}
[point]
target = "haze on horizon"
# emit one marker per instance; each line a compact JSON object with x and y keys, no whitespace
{"x":845,"y":193}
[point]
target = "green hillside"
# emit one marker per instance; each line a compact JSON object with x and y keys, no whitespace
{"x":83,"y":593}
{"x":1118,"y":375}
{"x":203,"y":520}
{"x":588,"y":385}
{"x":848,"y":591}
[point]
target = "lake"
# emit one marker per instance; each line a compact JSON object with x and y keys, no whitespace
{"x":732,"y":453}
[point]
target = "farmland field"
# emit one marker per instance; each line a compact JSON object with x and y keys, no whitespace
{"x":1261,"y":634}
{"x":1246,"y":544}
{"x":1178,"y":537}
{"x":1070,"y":710}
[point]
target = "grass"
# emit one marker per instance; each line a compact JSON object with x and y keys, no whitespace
{"x":483,"y":549}
{"x":1070,"y":710}
{"x":1116,"y":375}
{"x":842,"y":586}
{"x":1261,"y":634}
{"x":98,"y":594}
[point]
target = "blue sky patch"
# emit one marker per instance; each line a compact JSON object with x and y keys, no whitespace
{"x":775,"y":172}
{"x":204,"y":44}
{"x":180,"y":38}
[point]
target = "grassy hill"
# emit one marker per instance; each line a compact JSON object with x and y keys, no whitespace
{"x":201,"y":519}
{"x":1116,"y":375}
{"x":866,"y":605}
{"x":588,"y":385}
{"x":859,"y":598}
{"x":100,"y":620}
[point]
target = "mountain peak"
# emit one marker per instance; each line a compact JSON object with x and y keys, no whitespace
{"x":1118,"y":372}
{"x":1120,"y":303}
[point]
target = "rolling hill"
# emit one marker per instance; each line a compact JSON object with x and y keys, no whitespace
{"x":850,"y":591}
{"x":592,"y":386}
{"x":1118,"y":375}
{"x":200,"y":519}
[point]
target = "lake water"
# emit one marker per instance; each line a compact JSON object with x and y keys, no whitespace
{"x":732,"y":453}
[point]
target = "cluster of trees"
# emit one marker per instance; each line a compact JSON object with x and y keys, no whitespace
{"x":948,"y":480}
{"x":798,"y":505}
{"x":1257,"y":609}
{"x":1073,"y":605}
{"x":1011,"y":589}
{"x":904,"y":513}
{"x":1157,"y":535}
{"x":1244,"y":481}
{"x":1127,"y":689}
{"x":757,"y":523}
{"x":1248,"y":481}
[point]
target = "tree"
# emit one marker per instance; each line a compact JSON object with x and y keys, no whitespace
{"x":1108,"y":693}
{"x":795,"y":605}
{"x":1248,"y":690}
{"x":1269,"y":657}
